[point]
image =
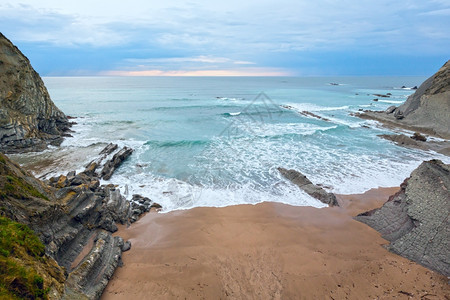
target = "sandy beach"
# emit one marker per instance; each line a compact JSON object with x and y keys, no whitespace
{"x":268,"y":251}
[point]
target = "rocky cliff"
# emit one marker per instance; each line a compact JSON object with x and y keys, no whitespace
{"x":416,"y":219}
{"x":74,"y":216}
{"x":29,"y":120}
{"x":426,"y":111}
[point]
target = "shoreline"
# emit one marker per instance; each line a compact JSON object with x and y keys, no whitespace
{"x":267,"y":251}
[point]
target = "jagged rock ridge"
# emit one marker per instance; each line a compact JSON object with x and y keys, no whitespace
{"x":29,"y":120}
{"x":416,"y":219}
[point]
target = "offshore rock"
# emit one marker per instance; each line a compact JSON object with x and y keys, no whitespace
{"x":416,"y":219}
{"x":29,"y":120}
{"x":310,"y":188}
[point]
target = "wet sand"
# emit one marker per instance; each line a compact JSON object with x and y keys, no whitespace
{"x":268,"y":251}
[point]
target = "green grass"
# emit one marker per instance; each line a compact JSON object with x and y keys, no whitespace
{"x":18,"y":188}
{"x":20,"y":248}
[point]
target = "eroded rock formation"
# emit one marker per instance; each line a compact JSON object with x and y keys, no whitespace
{"x":74,"y":217}
{"x":29,"y":120}
{"x":416,"y":219}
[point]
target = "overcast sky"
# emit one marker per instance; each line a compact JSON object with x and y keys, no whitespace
{"x":232,"y":37}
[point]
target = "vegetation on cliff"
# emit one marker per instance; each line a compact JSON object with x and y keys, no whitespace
{"x":25,"y":271}
{"x":65,"y":213}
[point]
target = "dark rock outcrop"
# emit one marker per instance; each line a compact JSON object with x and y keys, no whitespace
{"x":382,"y":96}
{"x":29,"y":120}
{"x":310,"y":188}
{"x":67,"y":213}
{"x":416,"y":219}
{"x":305,"y":113}
{"x":419,"y":137}
{"x":403,"y":140}
{"x":426,"y":111}
{"x":141,"y":205}
{"x":111,"y":165}
{"x":91,"y":276}
{"x":418,"y":141}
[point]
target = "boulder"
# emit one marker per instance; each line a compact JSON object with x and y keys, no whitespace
{"x":126,"y":246}
{"x":110,"y":148}
{"x":381,"y":95}
{"x":419,"y":137}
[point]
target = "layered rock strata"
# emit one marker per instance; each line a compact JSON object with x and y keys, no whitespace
{"x":74,"y":217}
{"x":29,"y":120}
{"x":416,"y":219}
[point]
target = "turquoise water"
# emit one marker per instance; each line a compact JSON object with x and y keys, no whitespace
{"x":211,"y":141}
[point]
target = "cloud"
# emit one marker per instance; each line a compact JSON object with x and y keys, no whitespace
{"x":221,"y":35}
{"x":215,"y":72}
{"x":26,"y":23}
{"x":217,"y":27}
{"x":202,"y":61}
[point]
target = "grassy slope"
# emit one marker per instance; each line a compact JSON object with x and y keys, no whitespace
{"x":25,"y":271}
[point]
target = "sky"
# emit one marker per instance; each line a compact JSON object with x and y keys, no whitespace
{"x":230,"y":38}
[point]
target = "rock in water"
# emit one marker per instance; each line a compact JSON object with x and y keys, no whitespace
{"x":29,"y":120}
{"x":419,"y":137}
{"x":403,"y":140}
{"x":310,"y":188}
{"x":416,"y":219}
{"x":115,"y":162}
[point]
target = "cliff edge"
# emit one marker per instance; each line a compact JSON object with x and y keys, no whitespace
{"x":29,"y":120}
{"x":426,"y":111}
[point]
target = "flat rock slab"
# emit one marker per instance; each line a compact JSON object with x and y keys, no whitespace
{"x":310,"y":188}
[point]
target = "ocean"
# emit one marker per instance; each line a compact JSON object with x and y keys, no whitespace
{"x":218,"y":141}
